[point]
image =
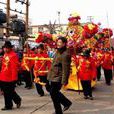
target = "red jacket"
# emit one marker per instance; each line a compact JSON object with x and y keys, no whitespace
{"x":107,"y":61}
{"x":86,"y":68}
{"x":98,"y":56}
{"x":41,"y":66}
{"x":27,"y":64}
{"x":1,"y":62}
{"x":9,"y":70}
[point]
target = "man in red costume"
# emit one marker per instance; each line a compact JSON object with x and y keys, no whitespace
{"x":40,"y":69}
{"x":98,"y":56}
{"x":8,"y":77}
{"x":107,"y":66}
{"x":27,"y":66}
{"x":86,"y":73}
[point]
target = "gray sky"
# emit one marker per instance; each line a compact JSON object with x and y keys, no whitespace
{"x":41,"y":11}
{"x":45,"y":10}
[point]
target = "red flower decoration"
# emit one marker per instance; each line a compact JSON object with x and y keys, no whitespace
{"x":107,"y":32}
{"x":74,"y":18}
{"x":89,"y":30}
{"x":48,"y":35}
{"x":40,"y":37}
{"x":86,"y":34}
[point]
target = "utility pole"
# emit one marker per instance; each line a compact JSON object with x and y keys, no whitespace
{"x":27,"y":15}
{"x":8,"y":13}
{"x":59,"y":17}
{"x":90,"y":18}
{"x":26,"y":2}
{"x":8,"y":17}
{"x":59,"y":20}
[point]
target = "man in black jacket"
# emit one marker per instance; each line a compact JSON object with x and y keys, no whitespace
{"x":58,"y":76}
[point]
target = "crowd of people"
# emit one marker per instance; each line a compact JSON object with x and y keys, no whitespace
{"x":51,"y":68}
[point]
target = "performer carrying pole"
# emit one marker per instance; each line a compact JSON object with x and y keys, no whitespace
{"x":110,"y":46}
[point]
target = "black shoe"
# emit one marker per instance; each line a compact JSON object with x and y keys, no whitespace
{"x":20,"y":83}
{"x":26,"y":86}
{"x":29,"y":87}
{"x":67,"y":107}
{"x":91,"y":98}
{"x":41,"y":95}
{"x":4,"y":109}
{"x":108,"y":84}
{"x":86,"y":97}
{"x":19,"y":104}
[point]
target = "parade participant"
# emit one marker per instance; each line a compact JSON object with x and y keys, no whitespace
{"x":98,"y":56}
{"x":107,"y":66}
{"x":2,"y":51}
{"x":1,"y":57}
{"x":86,"y":73}
{"x":9,"y":76}
{"x":58,"y":76}
{"x":51,"y":52}
{"x":27,"y":66}
{"x":40,"y":68}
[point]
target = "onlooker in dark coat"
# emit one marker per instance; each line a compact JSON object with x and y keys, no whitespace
{"x":58,"y":76}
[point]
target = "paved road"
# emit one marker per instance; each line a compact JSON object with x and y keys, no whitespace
{"x":103,"y":102}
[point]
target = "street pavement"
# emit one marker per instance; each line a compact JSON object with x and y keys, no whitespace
{"x":32,"y":103}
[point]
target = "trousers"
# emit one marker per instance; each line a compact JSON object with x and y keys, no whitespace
{"x":57,"y":97}
{"x":10,"y":94}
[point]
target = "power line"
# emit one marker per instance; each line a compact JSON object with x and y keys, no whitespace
{"x":2,"y":3}
{"x":15,"y":10}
